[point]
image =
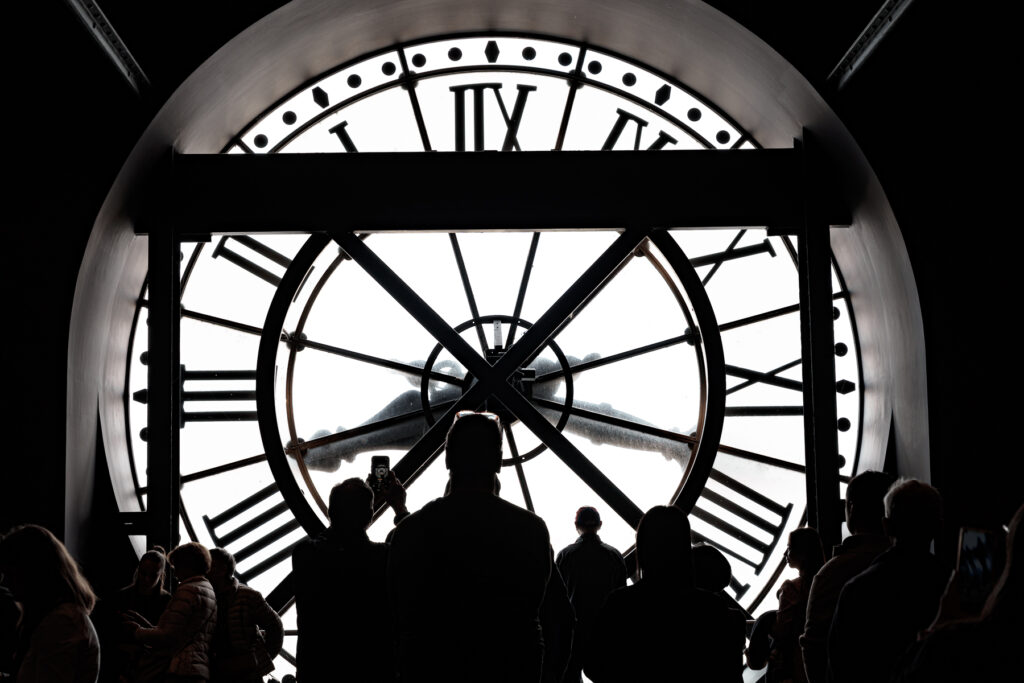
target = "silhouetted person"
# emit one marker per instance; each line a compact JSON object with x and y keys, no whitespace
{"x":712,"y":573}
{"x":804,"y":554}
{"x":663,"y":627}
{"x":865,"y":511}
{"x":147,"y":598}
{"x":591,"y":570}
{"x":983,"y":649}
{"x":340,"y":597}
{"x":882,"y":609}
{"x":249,"y":633}
{"x":467,"y":573}
{"x":181,"y":638}
{"x":58,"y":642}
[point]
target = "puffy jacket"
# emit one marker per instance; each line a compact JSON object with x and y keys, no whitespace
{"x":249,"y":633}
{"x":186,"y":628}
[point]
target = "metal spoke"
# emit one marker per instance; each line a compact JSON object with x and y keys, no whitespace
{"x":768,"y":315}
{"x":570,"y":455}
{"x":409,"y":83}
{"x":527,"y":269}
{"x":376,"y":360}
{"x":625,"y":355}
{"x":469,"y":292}
{"x":667,"y":434}
{"x":568,"y":306}
{"x":364,"y":429}
{"x":570,"y":99}
{"x":760,"y":317}
{"x":519,"y":467}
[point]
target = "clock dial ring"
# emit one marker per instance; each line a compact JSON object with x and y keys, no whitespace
{"x":730,"y":319}
{"x":271,"y":341}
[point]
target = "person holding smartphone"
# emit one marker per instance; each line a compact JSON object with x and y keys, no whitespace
{"x":981,"y":648}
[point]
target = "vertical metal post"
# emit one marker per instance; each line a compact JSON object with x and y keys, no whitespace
{"x":164,"y":406}
{"x":817,"y":338}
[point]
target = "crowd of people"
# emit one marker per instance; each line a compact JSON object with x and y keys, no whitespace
{"x":468,"y":588}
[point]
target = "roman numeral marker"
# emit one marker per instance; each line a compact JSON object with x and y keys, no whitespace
{"x":512,"y":120}
{"x":620,"y":125}
{"x":256,"y":534}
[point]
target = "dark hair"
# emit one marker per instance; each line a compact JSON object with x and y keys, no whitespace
{"x":154,"y":554}
{"x":46,"y":573}
{"x":192,"y":557}
{"x":350,"y":505}
{"x":914,"y":511}
{"x":223,"y":557}
{"x":805,"y":544}
{"x":474,"y":445}
{"x":663,"y":546}
{"x":711,"y":569}
{"x":588,"y":517}
{"x":865,"y":496}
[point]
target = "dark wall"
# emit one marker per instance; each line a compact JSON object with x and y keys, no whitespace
{"x":925,"y":108}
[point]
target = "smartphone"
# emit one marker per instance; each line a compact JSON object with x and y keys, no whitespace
{"x":380,"y":466}
{"x":980,"y":560}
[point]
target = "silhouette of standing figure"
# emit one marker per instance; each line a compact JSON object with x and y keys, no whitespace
{"x":882,"y":609}
{"x":804,"y":553}
{"x":467,"y":573}
{"x":249,"y":633}
{"x":341,"y":604}
{"x":591,"y":570}
{"x":663,"y":627}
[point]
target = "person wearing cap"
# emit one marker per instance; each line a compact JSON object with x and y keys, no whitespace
{"x":591,"y":570}
{"x":466,"y":574}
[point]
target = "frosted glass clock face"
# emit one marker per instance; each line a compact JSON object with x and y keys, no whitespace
{"x":623,"y":381}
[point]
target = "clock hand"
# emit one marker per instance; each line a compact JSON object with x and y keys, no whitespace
{"x":397,"y":426}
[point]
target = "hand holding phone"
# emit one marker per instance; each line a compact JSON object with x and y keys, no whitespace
{"x":980,"y":560}
{"x":380,"y":468}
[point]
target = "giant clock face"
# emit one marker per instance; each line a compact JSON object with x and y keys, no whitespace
{"x":365,"y":341}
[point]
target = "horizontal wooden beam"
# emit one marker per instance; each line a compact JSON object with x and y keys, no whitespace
{"x":248,"y":193}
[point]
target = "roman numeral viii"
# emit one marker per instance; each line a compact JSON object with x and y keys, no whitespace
{"x":748,"y":505}
{"x":246,"y":539}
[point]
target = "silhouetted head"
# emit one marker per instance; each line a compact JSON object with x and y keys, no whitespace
{"x":350,"y":506}
{"x":149,"y":575}
{"x":804,"y":551}
{"x":663,"y":546}
{"x":711,"y":569}
{"x":865,"y":506}
{"x":222,"y":568}
{"x":588,"y":520}
{"x":913,"y":513}
{"x":473,"y":447}
{"x":1008,"y":594}
{"x":40,"y":571}
{"x":189,"y":559}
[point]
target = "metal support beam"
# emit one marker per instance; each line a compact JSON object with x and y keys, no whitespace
{"x":867,"y":41}
{"x":821,"y":447}
{"x":92,"y":17}
{"x":164,"y":405}
{"x":249,"y":193}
